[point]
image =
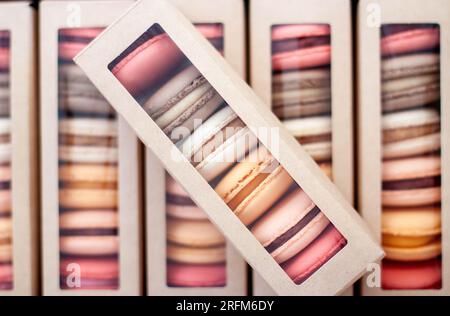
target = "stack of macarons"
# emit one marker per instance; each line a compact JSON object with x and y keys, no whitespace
{"x":6,"y":276}
{"x":88,"y":175}
{"x":196,"y":251}
{"x":301,"y":86}
{"x":227,"y":154}
{"x":411,"y":175}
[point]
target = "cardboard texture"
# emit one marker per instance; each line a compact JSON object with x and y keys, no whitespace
{"x":372,"y":15}
{"x":265,"y":15}
{"x":55,"y":16}
{"x":230,"y":14}
{"x":345,"y":266}
{"x":23,"y":152}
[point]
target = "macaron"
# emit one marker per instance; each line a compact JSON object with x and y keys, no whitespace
{"x":213,"y":33}
{"x":411,"y":234}
{"x":300,"y":93}
{"x":182,"y":275}
{"x":5,"y":140}
{"x":411,"y":133}
{"x":218,"y":143}
{"x":409,"y":65}
{"x":185,"y":98}
{"x":411,"y":275}
{"x":73,"y":40}
{"x":411,"y":182}
{"x":4,"y":50}
{"x":302,"y":46}
{"x":290,"y":226}
{"x":5,"y":190}
{"x":88,"y":140}
{"x":179,"y":204}
{"x":410,"y":92}
{"x":5,"y":230}
{"x":4,"y":94}
{"x":199,"y":234}
{"x":72,"y":197}
{"x":77,"y":95}
{"x":6,"y":276}
{"x":89,"y":246}
{"x":94,"y":273}
{"x":147,"y":61}
{"x":314,"y":133}
{"x":406,"y":39}
{"x":252,"y":186}
{"x":89,"y":222}
{"x":6,"y":252}
{"x":307,"y":262}
{"x":192,"y":255}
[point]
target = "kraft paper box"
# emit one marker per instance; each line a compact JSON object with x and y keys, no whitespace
{"x":403,"y":107}
{"x":19,"y":238}
{"x":223,"y":24}
{"x":91,"y":219}
{"x":241,"y":160}
{"x":301,"y":66}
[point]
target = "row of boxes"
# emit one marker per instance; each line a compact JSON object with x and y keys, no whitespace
{"x":280,"y":213}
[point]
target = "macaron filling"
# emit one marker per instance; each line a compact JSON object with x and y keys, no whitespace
{"x":411,"y":184}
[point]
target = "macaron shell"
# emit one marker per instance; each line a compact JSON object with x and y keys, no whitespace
{"x":411,"y":168}
{"x":88,"y":154}
{"x":193,"y":233}
{"x":302,"y":58}
{"x":409,"y":65}
{"x":411,"y":276}
{"x":426,"y":252}
{"x":210,"y":30}
{"x":412,"y":147}
{"x":89,"y":219}
{"x":6,"y":253}
{"x":412,"y":222}
{"x":6,"y":273}
{"x":304,"y":264}
{"x":91,"y":284}
{"x":5,"y":229}
{"x":98,"y":269}
{"x":147,"y":64}
{"x":67,"y":50}
{"x":5,"y":201}
{"x":290,"y":31}
{"x":89,"y":245}
{"x":88,"y":173}
{"x":196,"y":275}
{"x":88,"y":127}
{"x":92,"y":198}
{"x":410,"y":41}
{"x":191,"y":255}
{"x":411,"y":198}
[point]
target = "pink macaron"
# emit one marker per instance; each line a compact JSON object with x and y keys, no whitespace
{"x":290,"y":226}
{"x":184,"y":275}
{"x":179,"y":204}
{"x":140,"y":68}
{"x":6,"y":276}
{"x":299,"y":46}
{"x":409,"y":39}
{"x":4,"y":50}
{"x":303,"y":265}
{"x":74,"y":40}
{"x":411,"y":275}
{"x":95,"y":273}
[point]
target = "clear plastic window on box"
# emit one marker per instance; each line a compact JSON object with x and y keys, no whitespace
{"x":411,"y":156}
{"x":88,"y":174}
{"x":227,"y":154}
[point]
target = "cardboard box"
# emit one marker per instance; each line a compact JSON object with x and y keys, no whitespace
{"x":401,"y":136}
{"x":19,"y":263}
{"x":313,"y":96}
{"x":228,"y":17}
{"x":91,"y":228}
{"x":278,"y":157}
